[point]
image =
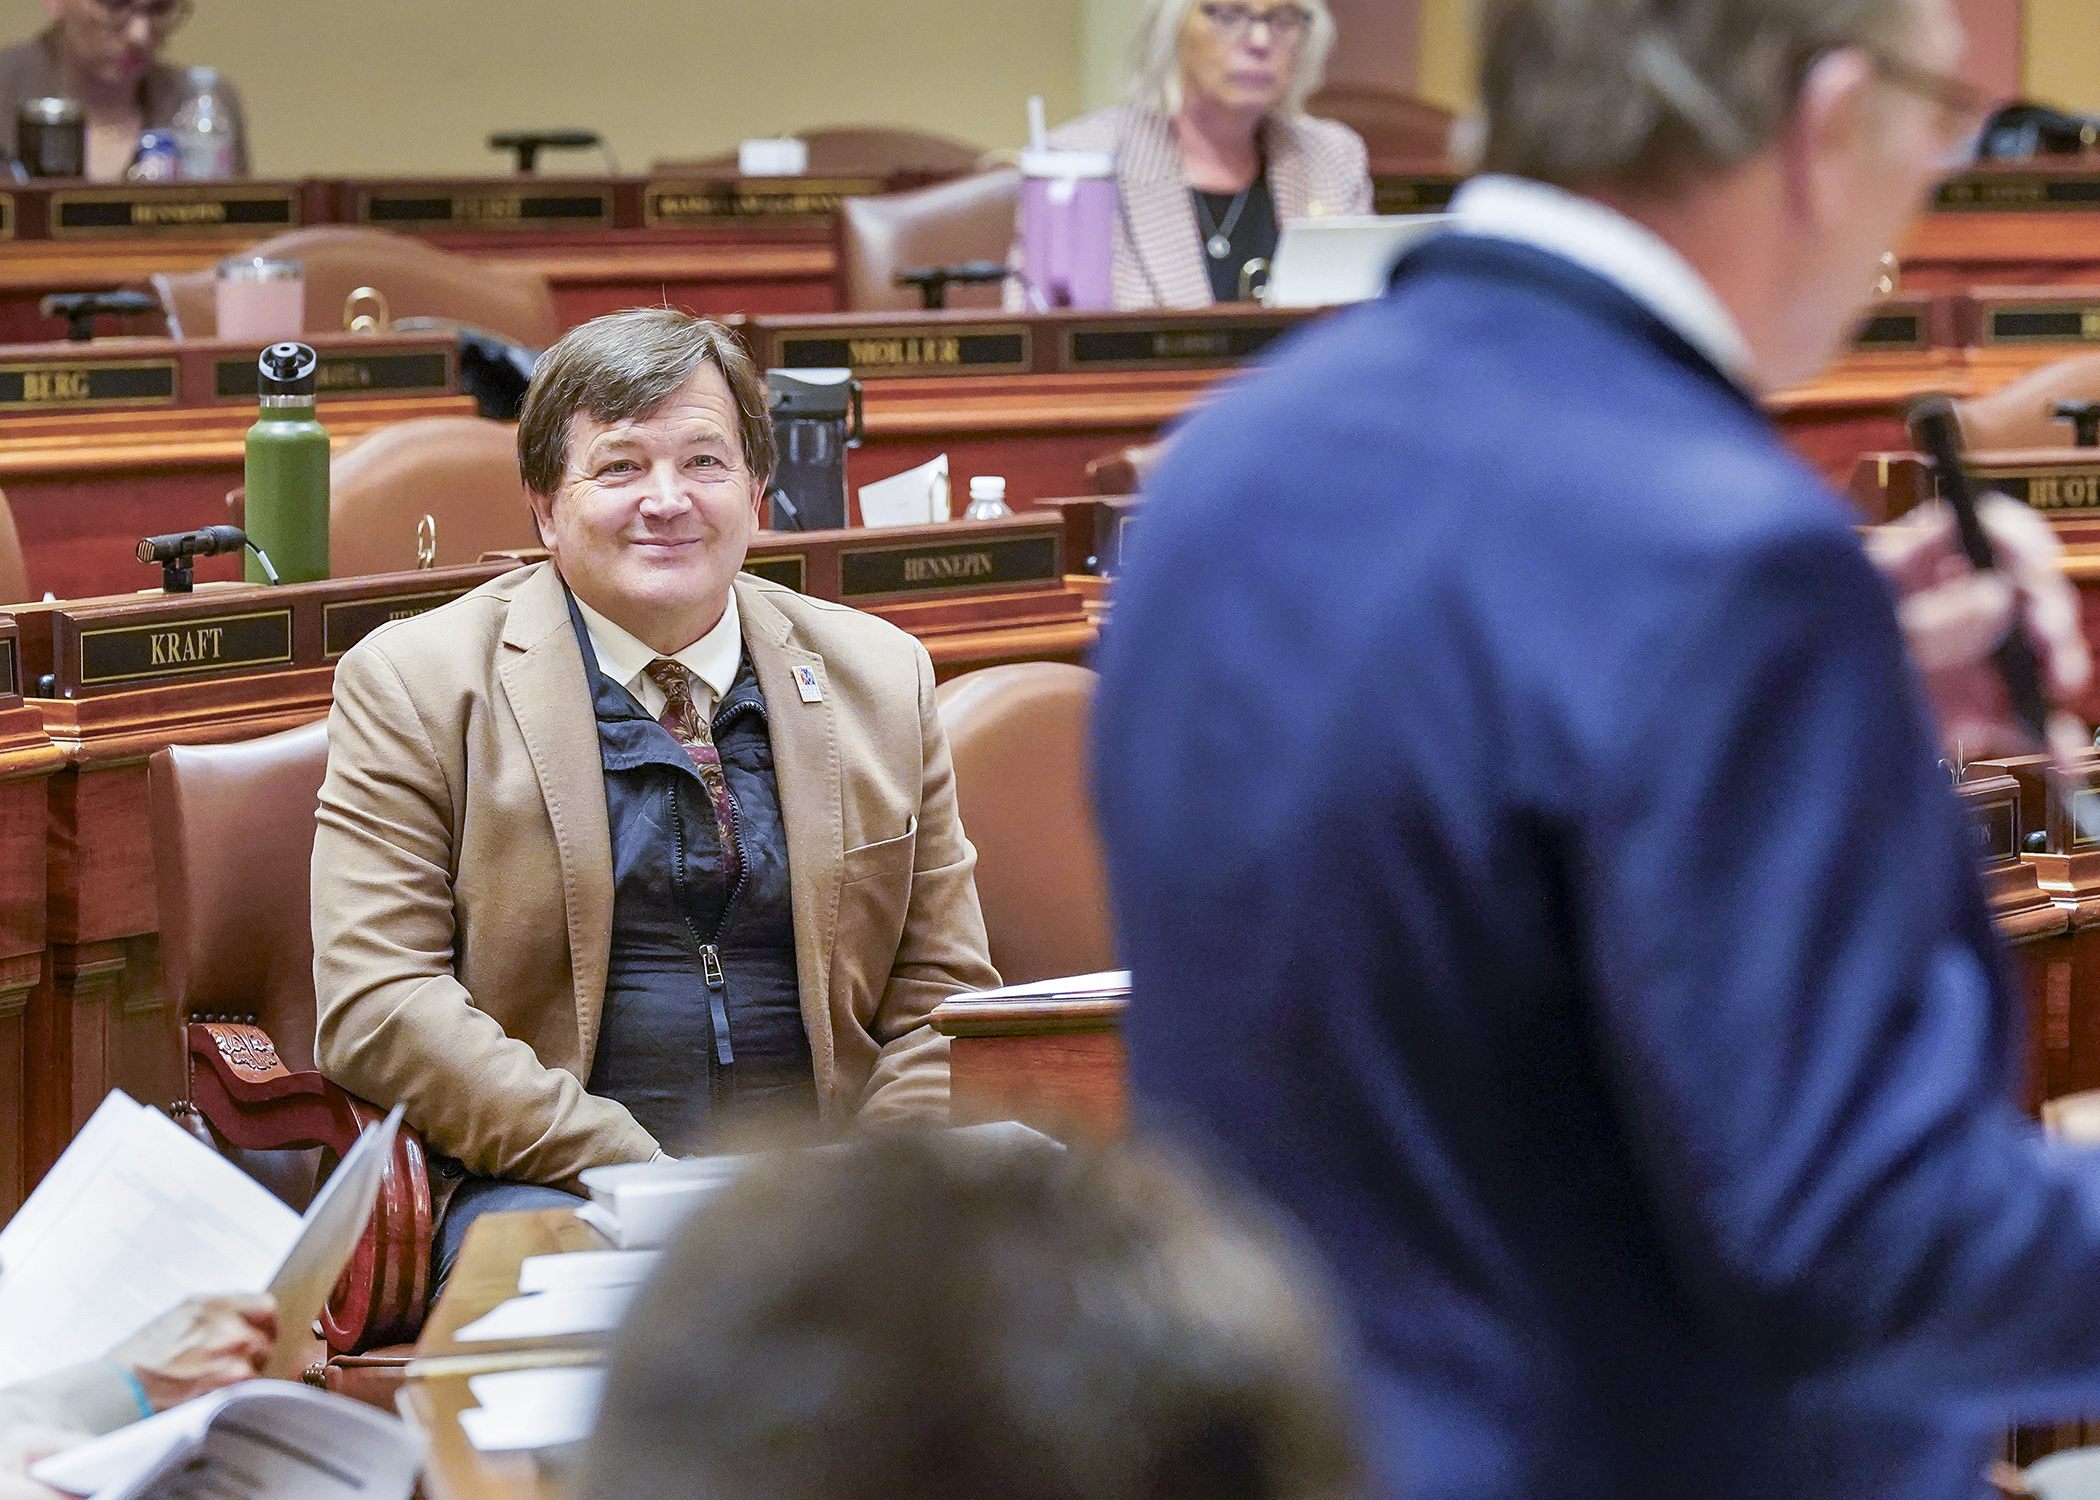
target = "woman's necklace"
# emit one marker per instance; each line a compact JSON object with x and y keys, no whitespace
{"x":1218,"y":237}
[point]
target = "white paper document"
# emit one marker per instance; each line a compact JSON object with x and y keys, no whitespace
{"x":1108,"y":982}
{"x":538,"y":1408}
{"x":260,"y":1440}
{"x":548,"y":1315}
{"x":640,"y":1205}
{"x":585,"y":1268}
{"x":917,"y":497}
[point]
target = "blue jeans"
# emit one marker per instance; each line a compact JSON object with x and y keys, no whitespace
{"x":473,"y":1198}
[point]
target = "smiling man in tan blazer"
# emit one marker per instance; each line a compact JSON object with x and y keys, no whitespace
{"x":622,"y":850}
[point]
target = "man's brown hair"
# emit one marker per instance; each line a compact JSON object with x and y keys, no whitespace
{"x":623,"y":366}
{"x":930,"y":1318}
{"x":1641,"y":93}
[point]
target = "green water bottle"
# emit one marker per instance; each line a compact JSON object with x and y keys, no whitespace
{"x":287,"y":471}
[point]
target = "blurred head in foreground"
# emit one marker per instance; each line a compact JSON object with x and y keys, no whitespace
{"x":925,"y":1317}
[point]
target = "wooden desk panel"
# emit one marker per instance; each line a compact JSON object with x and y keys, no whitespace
{"x":1054,"y":1062}
{"x":27,"y":761}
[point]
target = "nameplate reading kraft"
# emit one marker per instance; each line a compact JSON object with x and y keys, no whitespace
{"x":181,"y":648}
{"x":344,"y":625}
{"x":877,"y":352}
{"x":2043,"y":323}
{"x":487,"y":210}
{"x":986,"y":562}
{"x":169,"y":212}
{"x":1185,"y":346}
{"x":1413,"y":195}
{"x":417,"y":373}
{"x":788,"y":569}
{"x":55,"y":387}
{"x":686,"y":205}
{"x":2018,"y":192}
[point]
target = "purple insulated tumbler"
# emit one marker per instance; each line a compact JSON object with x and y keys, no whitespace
{"x":1068,"y":228}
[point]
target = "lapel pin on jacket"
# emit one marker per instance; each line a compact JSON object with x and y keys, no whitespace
{"x":806,"y":685}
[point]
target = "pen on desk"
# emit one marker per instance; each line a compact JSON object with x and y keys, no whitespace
{"x":1937,"y":434}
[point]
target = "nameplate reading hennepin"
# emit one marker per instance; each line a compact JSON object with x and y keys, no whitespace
{"x":344,"y":625}
{"x":487,"y":210}
{"x":55,"y":387}
{"x":948,"y":567}
{"x":181,"y":648}
{"x":2019,"y":192}
{"x":417,"y":373}
{"x":170,"y":211}
{"x":876,"y":352}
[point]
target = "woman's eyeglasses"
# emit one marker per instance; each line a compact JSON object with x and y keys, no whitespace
{"x":1235,"y":23}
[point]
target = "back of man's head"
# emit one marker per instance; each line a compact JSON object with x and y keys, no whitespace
{"x":1639,"y":93}
{"x":929,"y":1318}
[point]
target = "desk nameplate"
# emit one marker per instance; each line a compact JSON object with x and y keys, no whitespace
{"x":2041,"y":323}
{"x":698,"y":204}
{"x":931,"y":569}
{"x":181,"y":648}
{"x":878,"y":352}
{"x":1426,"y":193}
{"x":89,"y":383}
{"x":788,"y":569}
{"x":485,"y":208}
{"x":421,"y":372}
{"x":2052,"y":490}
{"x":346,"y":623}
{"x":1995,"y":821}
{"x":2019,"y":192}
{"x":1166,"y":346}
{"x":7,"y":216}
{"x":1896,"y":330}
{"x":171,"y":211}
{"x":10,"y":667}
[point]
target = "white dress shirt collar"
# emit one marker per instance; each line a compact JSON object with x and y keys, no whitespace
{"x":713,"y":659}
{"x":1606,"y":242}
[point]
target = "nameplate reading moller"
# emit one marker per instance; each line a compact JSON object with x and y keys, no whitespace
{"x":169,"y":211}
{"x":1191,"y":346}
{"x":2043,"y":323}
{"x":872,"y":353}
{"x":344,"y":625}
{"x":486,"y":209}
{"x":2019,"y":192}
{"x":788,"y":569}
{"x":417,"y":373}
{"x":182,"y":648}
{"x":56,"y":387}
{"x":948,"y":567}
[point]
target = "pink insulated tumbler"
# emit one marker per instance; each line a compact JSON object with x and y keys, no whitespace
{"x":1068,"y":228}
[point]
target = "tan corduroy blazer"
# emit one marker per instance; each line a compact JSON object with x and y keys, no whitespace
{"x":1316,"y":168}
{"x":463,"y":885}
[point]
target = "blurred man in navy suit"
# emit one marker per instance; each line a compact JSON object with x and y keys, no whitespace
{"x":1524,"y":821}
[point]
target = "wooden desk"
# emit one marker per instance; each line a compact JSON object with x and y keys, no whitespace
{"x":27,"y":761}
{"x":1054,"y":1062}
{"x":436,"y":1390}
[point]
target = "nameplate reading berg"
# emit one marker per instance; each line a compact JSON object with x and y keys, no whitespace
{"x":417,"y":373}
{"x":56,"y":387}
{"x":869,"y":572}
{"x":218,"y":643}
{"x":872,"y":353}
{"x":344,"y":625}
{"x":484,"y":209}
{"x":170,"y":211}
{"x":2019,"y":192}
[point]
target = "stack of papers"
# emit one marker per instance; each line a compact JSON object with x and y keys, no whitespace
{"x":562,"y":1295}
{"x":640,"y":1205}
{"x":533,"y":1409}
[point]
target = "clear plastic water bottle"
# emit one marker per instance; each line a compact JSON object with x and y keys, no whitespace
{"x":204,"y":130}
{"x":987,"y":498}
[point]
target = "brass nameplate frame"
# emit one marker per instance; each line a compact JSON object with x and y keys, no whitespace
{"x":1429,"y":194}
{"x":876,"y":353}
{"x":2085,"y":814}
{"x":414,"y":372}
{"x":182,"y":648}
{"x":1166,"y":346}
{"x":86,"y":212}
{"x":485,"y":208}
{"x":1899,"y":331}
{"x":691,"y":204}
{"x":788,"y":569}
{"x":2019,"y":192}
{"x":1996,"y":821}
{"x":2041,"y":323}
{"x":7,"y":216}
{"x":69,"y":387}
{"x":10,"y":668}
{"x":2060,"y":489}
{"x":934,"y":568}
{"x":346,"y":623}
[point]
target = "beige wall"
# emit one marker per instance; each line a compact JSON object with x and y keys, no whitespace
{"x":2063,"y":53}
{"x":1106,"y":29}
{"x":414,"y":86}
{"x":1444,"y":54}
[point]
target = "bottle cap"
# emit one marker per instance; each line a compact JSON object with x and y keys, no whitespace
{"x":988,"y":487}
{"x":202,"y":78}
{"x":287,"y":370}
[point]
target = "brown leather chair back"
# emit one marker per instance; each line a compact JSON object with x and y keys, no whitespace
{"x":14,"y":573}
{"x":1398,"y":129}
{"x":459,"y":472}
{"x":418,"y":280}
{"x":2022,"y":414}
{"x":1019,"y":738}
{"x":971,"y":218}
{"x":233,"y":843}
{"x":861,"y":151}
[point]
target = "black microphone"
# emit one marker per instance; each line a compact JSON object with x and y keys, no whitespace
{"x":206,"y":541}
{"x":1937,"y":433}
